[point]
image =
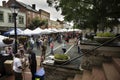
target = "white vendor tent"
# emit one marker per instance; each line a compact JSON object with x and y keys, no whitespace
{"x":27,"y":32}
{"x":37,"y":31}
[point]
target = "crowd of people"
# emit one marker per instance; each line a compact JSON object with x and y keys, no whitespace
{"x":26,"y":57}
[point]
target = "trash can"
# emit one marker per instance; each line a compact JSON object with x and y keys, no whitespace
{"x":40,"y":74}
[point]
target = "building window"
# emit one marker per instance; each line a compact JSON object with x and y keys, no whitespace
{"x":10,"y":18}
{"x":1,"y":16}
{"x":21,"y":20}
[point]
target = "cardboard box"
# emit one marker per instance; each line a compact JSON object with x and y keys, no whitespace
{"x":8,"y":67}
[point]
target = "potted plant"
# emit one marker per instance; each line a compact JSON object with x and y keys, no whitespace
{"x":7,"y":40}
{"x":103,"y":37}
{"x":61,"y":58}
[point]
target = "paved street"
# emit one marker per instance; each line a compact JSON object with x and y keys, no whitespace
{"x":71,"y":51}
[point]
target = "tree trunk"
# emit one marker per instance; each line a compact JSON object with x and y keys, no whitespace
{"x":95,"y":28}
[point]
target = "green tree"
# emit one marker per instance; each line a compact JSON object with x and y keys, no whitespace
{"x":88,"y":13}
{"x":45,"y":23}
{"x":36,"y":22}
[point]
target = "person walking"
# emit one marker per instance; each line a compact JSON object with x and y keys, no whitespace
{"x":64,"y":47}
{"x":78,"y":43}
{"x":44,"y":48}
{"x":37,"y":43}
{"x":31,"y":43}
{"x":51,"y":47}
{"x":17,"y":67}
{"x":32,"y":63}
{"x":42,"y":57}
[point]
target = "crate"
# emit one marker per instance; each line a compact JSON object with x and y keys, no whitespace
{"x":8,"y":67}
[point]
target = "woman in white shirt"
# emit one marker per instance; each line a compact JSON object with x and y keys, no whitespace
{"x":17,"y":67}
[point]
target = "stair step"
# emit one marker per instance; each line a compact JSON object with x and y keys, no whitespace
{"x":111,"y":72}
{"x":117,"y":63}
{"x":78,"y":77}
{"x":87,"y":75}
{"x":98,"y":74}
{"x":69,"y":78}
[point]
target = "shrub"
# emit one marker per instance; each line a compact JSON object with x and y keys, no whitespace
{"x":61,"y":56}
{"x":105,"y":34}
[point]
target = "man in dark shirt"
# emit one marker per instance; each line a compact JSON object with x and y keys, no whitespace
{"x":32,"y":63}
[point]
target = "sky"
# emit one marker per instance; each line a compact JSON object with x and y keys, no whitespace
{"x":41,"y":4}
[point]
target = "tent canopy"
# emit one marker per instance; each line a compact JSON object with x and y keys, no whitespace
{"x":27,"y":32}
{"x":12,"y":32}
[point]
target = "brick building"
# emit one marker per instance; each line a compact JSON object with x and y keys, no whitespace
{"x":30,"y":11}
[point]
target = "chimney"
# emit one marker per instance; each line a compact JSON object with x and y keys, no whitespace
{"x":3,"y":3}
{"x":33,"y":6}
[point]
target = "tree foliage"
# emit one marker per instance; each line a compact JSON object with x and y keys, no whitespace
{"x":88,"y":13}
{"x":36,"y":22}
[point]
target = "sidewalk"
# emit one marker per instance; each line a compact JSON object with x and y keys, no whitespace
{"x":26,"y":73}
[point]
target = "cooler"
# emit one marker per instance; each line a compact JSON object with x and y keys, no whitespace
{"x":40,"y":74}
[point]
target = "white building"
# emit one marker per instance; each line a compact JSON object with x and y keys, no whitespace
{"x":7,"y":22}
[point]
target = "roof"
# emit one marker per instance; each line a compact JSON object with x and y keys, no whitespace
{"x":27,"y":6}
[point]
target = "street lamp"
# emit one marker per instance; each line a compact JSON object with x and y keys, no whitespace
{"x":14,"y":8}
